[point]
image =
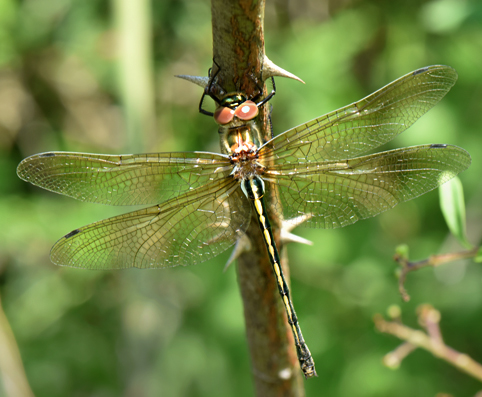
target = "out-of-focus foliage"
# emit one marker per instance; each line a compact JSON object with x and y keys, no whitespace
{"x":452,"y":204}
{"x":179,"y":332}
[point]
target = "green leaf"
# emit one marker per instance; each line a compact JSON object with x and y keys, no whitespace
{"x":453,"y":208}
{"x":478,"y":257}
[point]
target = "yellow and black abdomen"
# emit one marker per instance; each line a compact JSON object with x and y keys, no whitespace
{"x":254,"y":190}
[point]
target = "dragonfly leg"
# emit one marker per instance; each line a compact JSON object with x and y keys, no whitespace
{"x":208,"y":90}
{"x":267,"y":97}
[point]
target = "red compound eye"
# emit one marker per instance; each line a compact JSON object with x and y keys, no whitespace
{"x":246,"y":111}
{"x":223,"y":115}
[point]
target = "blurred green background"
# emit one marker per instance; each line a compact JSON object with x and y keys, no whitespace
{"x":180,"y":332}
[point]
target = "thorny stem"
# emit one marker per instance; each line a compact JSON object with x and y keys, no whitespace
{"x":238,"y":49}
{"x":431,"y":340}
{"x":433,"y":260}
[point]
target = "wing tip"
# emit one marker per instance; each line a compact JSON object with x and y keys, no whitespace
{"x":47,"y":154}
{"x":444,"y":70}
{"x":420,"y":71}
{"x":72,"y":233}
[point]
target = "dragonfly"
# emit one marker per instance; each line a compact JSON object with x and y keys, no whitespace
{"x":201,"y":202}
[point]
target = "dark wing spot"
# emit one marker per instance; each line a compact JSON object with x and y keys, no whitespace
{"x":421,"y":70}
{"x":47,"y":154}
{"x":438,"y":146}
{"x":72,"y":233}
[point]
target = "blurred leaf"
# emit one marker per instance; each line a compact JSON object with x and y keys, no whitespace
{"x":394,"y":311}
{"x":478,"y":257}
{"x":444,"y":15}
{"x":402,"y":250}
{"x":453,"y":208}
{"x":7,"y":22}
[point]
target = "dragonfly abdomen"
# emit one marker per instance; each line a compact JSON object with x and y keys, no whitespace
{"x":254,"y":190}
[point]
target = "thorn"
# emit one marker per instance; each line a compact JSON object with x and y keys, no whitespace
{"x":289,"y":224}
{"x":287,"y":237}
{"x":270,"y":69}
{"x":198,"y":80}
{"x":242,"y":245}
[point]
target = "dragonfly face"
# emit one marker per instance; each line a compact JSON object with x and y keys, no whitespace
{"x":243,"y":111}
{"x":198,"y":208}
{"x":235,"y":105}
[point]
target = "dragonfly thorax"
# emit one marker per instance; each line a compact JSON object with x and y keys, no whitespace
{"x":239,"y":136}
{"x":246,"y":166}
{"x":243,"y":152}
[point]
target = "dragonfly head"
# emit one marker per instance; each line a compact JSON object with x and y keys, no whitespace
{"x":235,"y":106}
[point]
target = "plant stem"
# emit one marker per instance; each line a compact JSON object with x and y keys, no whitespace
{"x":238,"y":48}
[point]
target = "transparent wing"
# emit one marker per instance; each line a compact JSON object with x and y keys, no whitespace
{"x":123,"y":180}
{"x":189,"y":229}
{"x":363,"y":125}
{"x":338,"y":193}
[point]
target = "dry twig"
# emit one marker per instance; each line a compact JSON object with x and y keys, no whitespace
{"x":430,"y":340}
{"x":433,"y":260}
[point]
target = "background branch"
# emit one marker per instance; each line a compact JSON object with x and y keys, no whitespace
{"x":401,"y":257}
{"x":431,"y":340}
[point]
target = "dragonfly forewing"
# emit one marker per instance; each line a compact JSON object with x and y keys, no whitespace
{"x":189,"y":229}
{"x":123,"y":180}
{"x":363,"y":125}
